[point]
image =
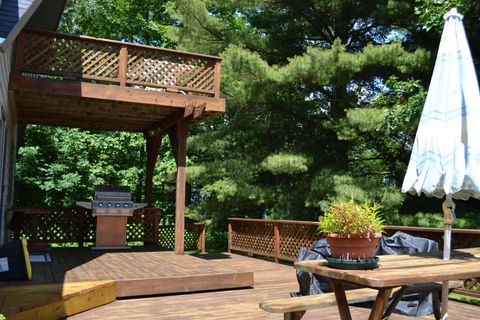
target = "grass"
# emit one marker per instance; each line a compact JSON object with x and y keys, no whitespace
{"x":463,"y":298}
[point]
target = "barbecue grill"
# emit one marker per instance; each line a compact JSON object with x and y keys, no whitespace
{"x":111,"y":206}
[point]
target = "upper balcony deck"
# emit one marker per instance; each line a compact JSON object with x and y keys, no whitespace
{"x":86,"y":82}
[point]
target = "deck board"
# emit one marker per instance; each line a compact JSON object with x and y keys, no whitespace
{"x":271,"y":281}
{"x":137,"y":273}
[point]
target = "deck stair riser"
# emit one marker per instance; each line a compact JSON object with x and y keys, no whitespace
{"x":54,"y":301}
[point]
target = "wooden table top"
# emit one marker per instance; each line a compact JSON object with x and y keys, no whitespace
{"x":399,"y":270}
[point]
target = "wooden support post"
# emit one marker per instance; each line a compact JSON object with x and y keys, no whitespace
{"x":154,"y":141}
{"x":178,"y":136}
{"x":276,"y":241}
{"x":122,"y":66}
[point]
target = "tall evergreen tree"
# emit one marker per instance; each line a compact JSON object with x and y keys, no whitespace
{"x":300,"y":80}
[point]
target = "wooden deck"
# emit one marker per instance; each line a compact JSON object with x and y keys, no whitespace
{"x":138,"y":273}
{"x":271,"y":281}
{"x":91,"y":83}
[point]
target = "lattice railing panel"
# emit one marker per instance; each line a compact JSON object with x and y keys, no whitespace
{"x":66,"y":57}
{"x":167,"y":70}
{"x":135,"y":227}
{"x":69,"y":57}
{"x":254,"y":238}
{"x":253,"y":235}
{"x":166,"y":237}
{"x":294,"y":237}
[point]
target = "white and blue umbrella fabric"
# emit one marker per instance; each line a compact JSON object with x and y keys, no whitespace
{"x":445,"y":159}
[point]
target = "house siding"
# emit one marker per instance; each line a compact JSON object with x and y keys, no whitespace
{"x":11,"y":11}
{"x":7,"y":141}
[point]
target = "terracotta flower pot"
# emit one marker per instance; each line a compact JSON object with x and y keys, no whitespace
{"x":353,"y":247}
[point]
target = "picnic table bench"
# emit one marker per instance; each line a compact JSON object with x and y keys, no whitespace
{"x":295,"y":308}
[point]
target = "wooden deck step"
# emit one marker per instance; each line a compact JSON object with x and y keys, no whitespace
{"x":54,"y":301}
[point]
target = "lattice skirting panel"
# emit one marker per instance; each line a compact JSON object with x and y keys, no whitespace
{"x":78,"y":226}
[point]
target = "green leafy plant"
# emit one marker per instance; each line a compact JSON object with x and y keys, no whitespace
{"x":352,"y":219}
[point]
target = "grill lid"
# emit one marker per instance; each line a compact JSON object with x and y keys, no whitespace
{"x":112,"y":193}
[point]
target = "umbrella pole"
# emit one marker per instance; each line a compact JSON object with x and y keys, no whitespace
{"x":449,"y":216}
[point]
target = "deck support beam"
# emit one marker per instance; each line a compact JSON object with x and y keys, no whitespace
{"x":154,"y":141}
{"x":178,"y":137}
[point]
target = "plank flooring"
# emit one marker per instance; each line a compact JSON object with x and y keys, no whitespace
{"x":138,"y":273}
{"x":271,"y":281}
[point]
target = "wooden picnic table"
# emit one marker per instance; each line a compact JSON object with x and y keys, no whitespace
{"x":395,"y":273}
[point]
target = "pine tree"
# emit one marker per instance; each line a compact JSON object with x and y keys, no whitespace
{"x":299,"y":79}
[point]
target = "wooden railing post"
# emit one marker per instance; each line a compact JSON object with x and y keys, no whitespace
{"x":201,"y":236}
{"x":229,"y":236}
{"x":122,"y":66}
{"x":82,"y":230}
{"x":216,"y":79}
{"x":18,"y":219}
{"x":156,"y":223}
{"x":276,"y":241}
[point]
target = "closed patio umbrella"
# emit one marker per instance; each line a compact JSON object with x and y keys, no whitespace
{"x":445,"y":159}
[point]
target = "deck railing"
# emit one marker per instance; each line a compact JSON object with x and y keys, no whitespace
{"x":68,"y":57}
{"x":283,"y":240}
{"x":44,"y":226}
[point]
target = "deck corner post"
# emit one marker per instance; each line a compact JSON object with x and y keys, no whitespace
{"x":122,"y":65}
{"x":216,"y":86}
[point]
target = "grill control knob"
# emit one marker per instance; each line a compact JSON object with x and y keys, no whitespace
{"x":100,"y":205}
{"x":117,"y":205}
{"x":125,"y":205}
{"x":109,"y":205}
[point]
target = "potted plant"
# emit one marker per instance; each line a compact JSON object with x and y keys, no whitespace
{"x":352,"y":230}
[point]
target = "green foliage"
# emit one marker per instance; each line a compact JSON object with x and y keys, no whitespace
{"x":430,"y":12}
{"x":138,"y":21}
{"x":292,"y":139}
{"x":467,"y":220}
{"x":58,"y":166}
{"x":283,"y":163}
{"x":216,"y":241}
{"x":322,"y":107}
{"x":351,"y":219}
